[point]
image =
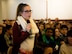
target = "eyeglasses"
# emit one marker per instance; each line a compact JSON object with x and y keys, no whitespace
{"x":27,"y":11}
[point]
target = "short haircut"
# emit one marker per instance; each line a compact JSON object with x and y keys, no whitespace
{"x":63,"y":26}
{"x":48,"y":29}
{"x":8,"y":27}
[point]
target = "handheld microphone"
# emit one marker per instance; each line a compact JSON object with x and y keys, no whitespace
{"x":28,"y":21}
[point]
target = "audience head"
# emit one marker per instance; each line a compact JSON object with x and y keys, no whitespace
{"x":56,"y":32}
{"x":47,"y":25}
{"x":56,"y":19}
{"x":57,"y":25}
{"x":9,"y":29}
{"x":64,"y":29}
{"x":49,"y":32}
{"x":49,"y":20}
{"x":41,"y":26}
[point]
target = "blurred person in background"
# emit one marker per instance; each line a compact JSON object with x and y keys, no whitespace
{"x":8,"y":36}
{"x":3,"y":46}
{"x":58,"y":41}
{"x":63,"y":31}
{"x":67,"y":47}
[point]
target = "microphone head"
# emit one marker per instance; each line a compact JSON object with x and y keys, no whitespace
{"x":28,"y":21}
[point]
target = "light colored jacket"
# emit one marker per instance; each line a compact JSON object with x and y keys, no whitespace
{"x":65,"y":49}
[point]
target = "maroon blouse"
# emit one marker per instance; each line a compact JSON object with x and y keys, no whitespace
{"x":18,"y":36}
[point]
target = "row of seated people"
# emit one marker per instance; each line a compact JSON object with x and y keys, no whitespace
{"x":6,"y":38}
{"x":49,"y":38}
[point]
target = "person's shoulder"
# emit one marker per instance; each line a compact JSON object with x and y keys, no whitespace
{"x":64,"y":46}
{"x":15,"y":23}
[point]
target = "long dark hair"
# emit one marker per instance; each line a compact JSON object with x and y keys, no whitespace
{"x":20,"y":9}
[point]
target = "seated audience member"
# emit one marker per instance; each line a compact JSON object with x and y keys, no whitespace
{"x":41,"y":28}
{"x":48,"y":37}
{"x":3,"y":46}
{"x":67,"y":47}
{"x":38,"y":48}
{"x":45,"y":40}
{"x":58,"y":40}
{"x":56,"y":20}
{"x":41,"y":32}
{"x":8,"y":36}
{"x":48,"y":21}
{"x":63,"y":31}
{"x":57,"y":25}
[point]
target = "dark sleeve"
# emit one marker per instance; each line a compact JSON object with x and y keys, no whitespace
{"x":18,"y":36}
{"x":61,"y":39}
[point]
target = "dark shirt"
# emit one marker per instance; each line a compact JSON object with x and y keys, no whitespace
{"x":58,"y":40}
{"x":3,"y":46}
